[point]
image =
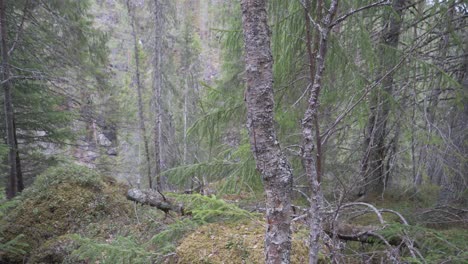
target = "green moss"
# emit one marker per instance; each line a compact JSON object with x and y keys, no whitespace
{"x":55,"y":250}
{"x":63,"y":200}
{"x":241,"y":242}
{"x":64,"y":173}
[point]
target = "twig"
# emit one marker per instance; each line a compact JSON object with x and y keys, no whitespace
{"x":354,"y":11}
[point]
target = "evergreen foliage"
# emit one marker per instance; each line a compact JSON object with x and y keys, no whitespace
{"x":55,"y":54}
{"x":72,"y":66}
{"x":128,"y":249}
{"x":14,"y":246}
{"x":120,"y":250}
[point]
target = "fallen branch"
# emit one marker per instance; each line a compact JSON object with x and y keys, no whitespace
{"x":155,"y":199}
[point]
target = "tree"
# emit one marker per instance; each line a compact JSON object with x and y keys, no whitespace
{"x":311,"y":125}
{"x":159,"y":33}
{"x":375,"y":147}
{"x":48,"y":70}
{"x":15,"y":183}
{"x":139,"y":87}
{"x":270,"y":161}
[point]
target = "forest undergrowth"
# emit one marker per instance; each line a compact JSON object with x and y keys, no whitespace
{"x":71,"y":214}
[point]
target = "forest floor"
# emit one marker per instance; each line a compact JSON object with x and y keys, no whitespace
{"x":73,"y":215}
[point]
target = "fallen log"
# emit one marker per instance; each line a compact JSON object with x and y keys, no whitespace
{"x":155,"y":199}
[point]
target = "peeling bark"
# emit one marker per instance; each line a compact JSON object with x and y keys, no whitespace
{"x":270,"y":161}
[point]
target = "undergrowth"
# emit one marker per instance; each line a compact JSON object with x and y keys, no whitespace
{"x":447,"y":246}
{"x":203,"y":210}
{"x":207,"y":209}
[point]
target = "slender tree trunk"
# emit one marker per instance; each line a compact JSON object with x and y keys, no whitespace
{"x":12,"y":185}
{"x":373,"y":163}
{"x":159,"y":29}
{"x":453,"y":179}
{"x":270,"y":161}
{"x":19,"y":171}
{"x":140,"y":96}
{"x":310,"y":126}
{"x":186,"y":89}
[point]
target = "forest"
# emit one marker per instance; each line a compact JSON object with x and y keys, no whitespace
{"x":241,"y":131}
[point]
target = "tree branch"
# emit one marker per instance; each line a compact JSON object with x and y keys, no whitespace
{"x":354,"y":11}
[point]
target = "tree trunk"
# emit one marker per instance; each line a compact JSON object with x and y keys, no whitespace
{"x":185,"y":113}
{"x":140,"y":96}
{"x":270,"y":161}
{"x":19,"y":171}
{"x":373,"y":162}
{"x":12,"y":183}
{"x":310,"y":126}
{"x":157,"y":87}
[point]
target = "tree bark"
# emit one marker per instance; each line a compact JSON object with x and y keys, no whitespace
{"x":270,"y":161}
{"x":186,"y":89}
{"x":373,"y":162}
{"x":159,"y":28}
{"x":12,"y":183}
{"x":19,"y":171}
{"x":155,"y":199}
{"x":310,"y":126}
{"x":140,"y":96}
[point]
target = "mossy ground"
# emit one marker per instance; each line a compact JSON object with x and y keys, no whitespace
{"x":73,"y":215}
{"x":63,"y":201}
{"x":238,"y":242}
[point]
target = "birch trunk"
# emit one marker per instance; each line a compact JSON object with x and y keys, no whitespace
{"x":270,"y":161}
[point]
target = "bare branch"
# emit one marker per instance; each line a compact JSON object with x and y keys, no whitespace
{"x":316,"y":25}
{"x":376,"y":211}
{"x":354,"y":11}
{"x":403,"y":220}
{"x":20,"y":28}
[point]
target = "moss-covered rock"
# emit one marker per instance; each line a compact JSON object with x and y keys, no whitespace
{"x":63,"y":200}
{"x":55,"y":250}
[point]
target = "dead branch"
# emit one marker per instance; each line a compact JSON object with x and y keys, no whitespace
{"x":155,"y":199}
